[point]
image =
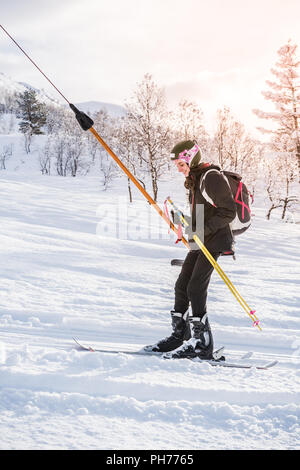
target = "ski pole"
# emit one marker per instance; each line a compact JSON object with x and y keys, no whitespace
{"x":217,"y":267}
{"x":86,"y":123}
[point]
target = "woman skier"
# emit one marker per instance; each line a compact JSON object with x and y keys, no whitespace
{"x":191,"y":333}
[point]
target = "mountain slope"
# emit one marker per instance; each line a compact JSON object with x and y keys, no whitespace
{"x":113,"y":110}
{"x":8,"y":85}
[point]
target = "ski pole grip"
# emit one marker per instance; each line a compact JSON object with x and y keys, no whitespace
{"x":83,"y":119}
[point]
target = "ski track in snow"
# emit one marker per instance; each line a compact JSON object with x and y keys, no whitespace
{"x":63,"y":276}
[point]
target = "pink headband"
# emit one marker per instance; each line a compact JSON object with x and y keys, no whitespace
{"x":187,"y":155}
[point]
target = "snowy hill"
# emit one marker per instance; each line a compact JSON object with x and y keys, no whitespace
{"x":68,"y":268}
{"x":7,"y":84}
{"x":113,"y":110}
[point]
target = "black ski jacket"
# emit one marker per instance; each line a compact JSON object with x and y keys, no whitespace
{"x":217,"y":233}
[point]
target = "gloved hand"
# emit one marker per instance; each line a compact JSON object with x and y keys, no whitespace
{"x":175,"y":217}
{"x":190,"y":233}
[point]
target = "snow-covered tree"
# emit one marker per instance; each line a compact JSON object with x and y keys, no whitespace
{"x":45,"y":158}
{"x":285,"y":94}
{"x":235,"y":148}
{"x":66,"y":148}
{"x":148,"y":117}
{"x":102,"y":123}
{"x":5,"y":153}
{"x":105,"y":126}
{"x":56,"y":116}
{"x":124,"y":143}
{"x":188,"y":123}
{"x":8,"y":100}
{"x":32,"y":114}
{"x":278,"y":173}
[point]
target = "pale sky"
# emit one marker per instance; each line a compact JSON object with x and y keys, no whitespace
{"x":214,"y":52}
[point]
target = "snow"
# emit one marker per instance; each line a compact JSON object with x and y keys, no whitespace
{"x":70,"y":268}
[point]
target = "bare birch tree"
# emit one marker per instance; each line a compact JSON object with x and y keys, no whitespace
{"x":188,"y":124}
{"x":148,"y":116}
{"x":236,"y":149}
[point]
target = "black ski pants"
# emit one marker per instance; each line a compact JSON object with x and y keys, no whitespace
{"x":192,"y":283}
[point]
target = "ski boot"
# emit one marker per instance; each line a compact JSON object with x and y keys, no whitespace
{"x":181,"y":332}
{"x":199,"y":345}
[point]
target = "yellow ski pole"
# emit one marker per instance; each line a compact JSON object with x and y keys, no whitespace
{"x":217,"y":267}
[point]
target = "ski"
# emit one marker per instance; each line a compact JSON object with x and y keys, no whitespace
{"x":213,"y":362}
{"x":141,"y":352}
{"x":241,"y":366}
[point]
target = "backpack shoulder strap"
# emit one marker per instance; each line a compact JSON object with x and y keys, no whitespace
{"x":202,"y":185}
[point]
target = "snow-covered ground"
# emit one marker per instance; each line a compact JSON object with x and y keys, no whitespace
{"x":78,"y":261}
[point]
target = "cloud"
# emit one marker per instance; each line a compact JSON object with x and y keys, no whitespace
{"x":204,"y":86}
{"x":236,"y":88}
{"x":204,"y":51}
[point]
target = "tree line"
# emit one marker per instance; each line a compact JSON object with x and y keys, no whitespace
{"x":143,"y":137}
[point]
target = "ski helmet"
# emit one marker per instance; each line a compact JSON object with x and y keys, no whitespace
{"x":187,"y":151}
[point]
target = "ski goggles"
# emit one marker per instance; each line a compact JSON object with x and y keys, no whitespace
{"x":186,"y":155}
